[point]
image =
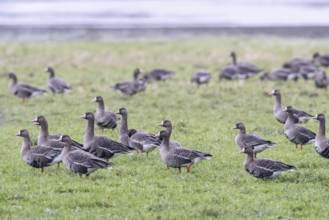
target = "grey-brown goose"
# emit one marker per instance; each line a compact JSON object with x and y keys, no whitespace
{"x":321,"y":80}
{"x":244,"y":68}
{"x":143,"y":142}
{"x":257,"y":144}
{"x":131,"y":87}
{"x":231,"y":72}
{"x":55,"y":84}
{"x":279,"y":74}
{"x":80,"y":162}
{"x":263,"y":168}
{"x":101,"y":146}
{"x":201,"y":77}
{"x":322,"y":59}
{"x":23,"y":90}
{"x":321,"y":143}
{"x":281,"y":116}
{"x":178,"y":157}
{"x":167,"y":124}
{"x":309,"y":71}
{"x":104,"y":118}
{"x":40,"y":156}
{"x":297,"y":134}
{"x":296,"y":63}
{"x":123,"y":132}
{"x":159,"y":74}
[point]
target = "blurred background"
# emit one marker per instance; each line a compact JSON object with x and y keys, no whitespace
{"x":62,"y":20}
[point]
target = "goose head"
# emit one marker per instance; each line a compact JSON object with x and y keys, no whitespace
{"x":88,"y":116}
{"x":239,"y":126}
{"x":121,"y":111}
{"x":275,"y":92}
{"x":131,"y":132}
{"x":247,"y":150}
{"x":23,"y":133}
{"x":64,"y":138}
{"x":97,"y":99}
{"x":319,"y":117}
{"x":165,"y":123}
{"x":39,"y":120}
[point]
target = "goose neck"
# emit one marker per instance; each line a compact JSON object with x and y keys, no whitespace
{"x":124,"y":138}
{"x":26,"y":145}
{"x":90,"y":128}
{"x":322,"y":128}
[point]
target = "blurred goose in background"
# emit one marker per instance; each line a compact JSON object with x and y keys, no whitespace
{"x":167,"y":124}
{"x":321,"y":80}
{"x":263,"y":168}
{"x":201,"y":77}
{"x":297,"y":134}
{"x":296,"y":63}
{"x":55,"y":84}
{"x":256,"y":143}
{"x":40,"y":156}
{"x":105,"y":119}
{"x":178,"y":157}
{"x":231,"y":72}
{"x":309,"y":71}
{"x":281,"y":116}
{"x":132,"y":87}
{"x":23,"y":90}
{"x":101,"y":146}
{"x":245,"y":68}
{"x":159,"y":74}
{"x":321,"y":143}
{"x":80,"y":162}
{"x":279,"y":74}
{"x":143,"y":142}
{"x":323,"y":59}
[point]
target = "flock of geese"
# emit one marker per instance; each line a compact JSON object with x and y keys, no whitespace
{"x":96,"y":151}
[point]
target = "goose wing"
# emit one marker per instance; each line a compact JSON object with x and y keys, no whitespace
{"x":83,"y":159}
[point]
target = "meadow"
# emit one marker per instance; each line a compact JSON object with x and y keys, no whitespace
{"x":203,"y":118}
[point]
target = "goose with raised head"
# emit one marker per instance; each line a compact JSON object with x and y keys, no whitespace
{"x":178,"y":157}
{"x":201,"y":77}
{"x":39,"y":156}
{"x":159,"y":74}
{"x":297,"y":134}
{"x":321,"y":143}
{"x":167,"y":124}
{"x":281,"y":116}
{"x":23,"y":90}
{"x":279,"y":74}
{"x":322,"y":59}
{"x":123,"y":131}
{"x":257,"y":144}
{"x":55,"y":84}
{"x":101,"y":146}
{"x":131,"y":87}
{"x":263,"y":168}
{"x":105,"y":119}
{"x":80,"y":162}
{"x":244,"y":68}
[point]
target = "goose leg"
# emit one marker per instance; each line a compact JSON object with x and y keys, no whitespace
{"x":301,"y":147}
{"x":296,"y":146}
{"x":179,"y":170}
{"x":189,"y":167}
{"x":57,"y":166}
{"x":42,"y":171}
{"x":80,"y":176}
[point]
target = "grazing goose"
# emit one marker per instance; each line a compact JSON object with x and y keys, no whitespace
{"x":245,"y":68}
{"x":104,"y":118}
{"x":40,"y":156}
{"x":297,"y":134}
{"x":257,"y":144}
{"x":23,"y":90}
{"x":281,"y":116}
{"x":131,"y":87}
{"x":231,"y":72}
{"x":101,"y":146}
{"x":55,"y":84}
{"x":80,"y":162}
{"x":321,"y":80}
{"x":323,"y":59}
{"x":263,"y":168}
{"x":321,"y":141}
{"x":159,"y":74}
{"x":178,"y":157}
{"x":201,"y":77}
{"x":143,"y":142}
{"x":309,"y":71}
{"x":167,"y":124}
{"x":279,"y":74}
{"x":296,"y":63}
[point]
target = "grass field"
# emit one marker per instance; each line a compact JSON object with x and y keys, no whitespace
{"x":203,"y":118}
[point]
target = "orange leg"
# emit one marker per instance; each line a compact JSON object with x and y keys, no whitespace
{"x":179,"y":170}
{"x":189,"y":167}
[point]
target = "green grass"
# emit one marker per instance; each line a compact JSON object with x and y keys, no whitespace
{"x":142,"y":188}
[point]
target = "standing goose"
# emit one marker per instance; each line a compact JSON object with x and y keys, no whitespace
{"x":263,"y":168}
{"x":104,"y":118}
{"x":321,"y":80}
{"x":281,"y":116}
{"x":323,"y":59}
{"x":279,"y":74}
{"x":143,"y":142}
{"x":80,"y":162}
{"x":245,"y":68}
{"x":23,"y":90}
{"x":178,"y":157}
{"x":131,"y":87}
{"x":38,"y":157}
{"x":257,"y":144}
{"x":101,"y":146}
{"x":167,"y":124}
{"x":55,"y":84}
{"x":296,"y":64}
{"x":159,"y":74}
{"x":123,"y":132}
{"x":201,"y":77}
{"x":297,"y":134}
{"x":321,"y":141}
{"x":231,"y":72}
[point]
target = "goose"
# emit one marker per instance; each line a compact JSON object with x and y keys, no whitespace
{"x":263,"y":168}
{"x":309,"y":71}
{"x":296,"y":63}
{"x":321,"y":143}
{"x":55,"y":84}
{"x":245,"y":68}
{"x":167,"y":124}
{"x":297,"y":134}
{"x":321,"y":80}
{"x":323,"y":59}
{"x":80,"y":162}
{"x":123,"y":132}
{"x":39,"y":156}
{"x":143,"y":142}
{"x":132,"y":87}
{"x":201,"y":77}
{"x":105,"y":119}
{"x":23,"y":90}
{"x":178,"y":157}
{"x":279,"y":74}
{"x":159,"y":74}
{"x":101,"y":146}
{"x":257,"y":144}
{"x":231,"y":72}
{"x":281,"y":116}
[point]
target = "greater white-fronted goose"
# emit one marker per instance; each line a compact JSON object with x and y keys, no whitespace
{"x":178,"y":157}
{"x":245,"y":68}
{"x":55,"y":84}
{"x":309,"y":71}
{"x":296,"y":63}
{"x":123,"y":132}
{"x":257,"y":144}
{"x":281,"y":116}
{"x":322,"y":59}
{"x":321,"y":143}
{"x":231,"y":72}
{"x":105,"y":119}
{"x":131,"y":87}
{"x":279,"y":74}
{"x":167,"y":124}
{"x":80,"y":162}
{"x":143,"y":142}
{"x":40,"y":156}
{"x":297,"y":134}
{"x":101,"y":146}
{"x":263,"y":168}
{"x":321,"y":80}
{"x":201,"y":77}
{"x":23,"y":90}
{"x":159,"y":74}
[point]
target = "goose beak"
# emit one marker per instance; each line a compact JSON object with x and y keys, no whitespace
{"x":94,"y":100}
{"x":270,"y":93}
{"x":117,"y":112}
{"x":235,"y":127}
{"x":83,"y":116}
{"x":18,"y":134}
{"x":242,"y":150}
{"x":35,"y":121}
{"x":45,"y":70}
{"x":160,"y":124}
